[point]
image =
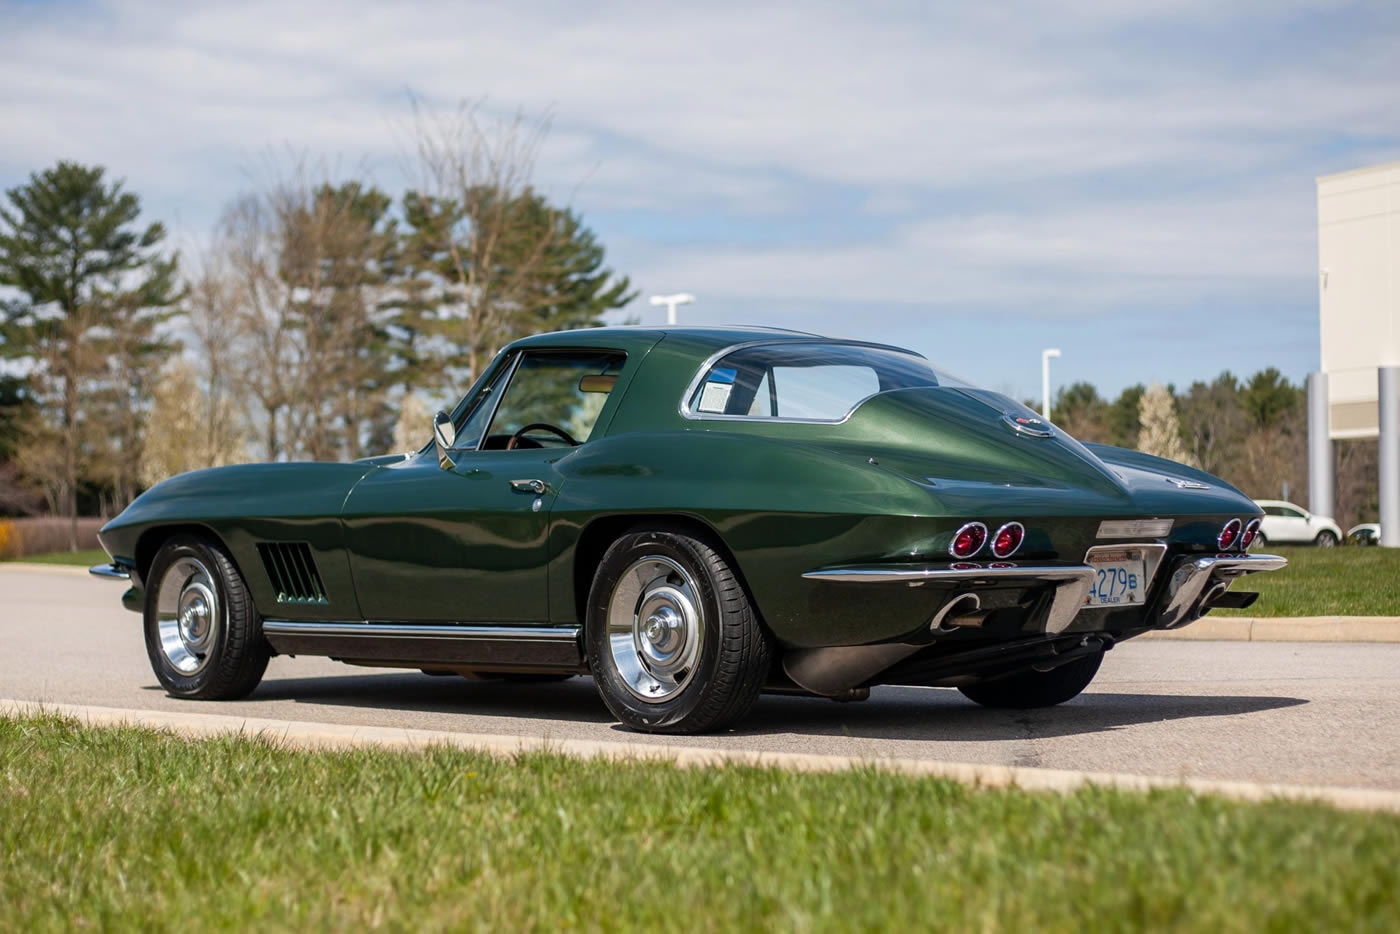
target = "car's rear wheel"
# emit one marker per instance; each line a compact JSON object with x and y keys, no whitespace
{"x":1036,"y":688}
{"x":672,"y":641}
{"x":203,"y":635}
{"x":1325,"y":539}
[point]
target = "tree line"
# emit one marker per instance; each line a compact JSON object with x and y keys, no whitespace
{"x":1252,"y":433}
{"x":308,"y":327}
{"x":323,"y":309}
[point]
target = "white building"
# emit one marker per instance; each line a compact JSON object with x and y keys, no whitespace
{"x":1356,"y":394}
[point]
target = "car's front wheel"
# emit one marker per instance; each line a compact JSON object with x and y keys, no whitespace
{"x":1325,"y":539}
{"x":1036,"y":688}
{"x":203,"y":635}
{"x":672,"y":640}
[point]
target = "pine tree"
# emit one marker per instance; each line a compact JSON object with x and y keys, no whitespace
{"x":492,"y":267}
{"x":1159,"y":432}
{"x":94,"y":287}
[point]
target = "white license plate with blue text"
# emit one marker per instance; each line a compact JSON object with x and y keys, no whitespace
{"x":1119,"y":578}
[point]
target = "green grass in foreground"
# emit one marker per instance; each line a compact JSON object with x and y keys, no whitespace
{"x":85,"y":558}
{"x":1346,"y":581}
{"x":127,"y":828}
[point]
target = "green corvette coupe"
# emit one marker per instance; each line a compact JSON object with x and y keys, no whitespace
{"x":693,"y":516}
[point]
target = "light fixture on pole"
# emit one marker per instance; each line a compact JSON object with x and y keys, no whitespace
{"x":671,"y":301}
{"x":1045,"y":356}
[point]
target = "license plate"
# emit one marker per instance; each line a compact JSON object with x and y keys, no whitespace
{"x":1119,"y":578}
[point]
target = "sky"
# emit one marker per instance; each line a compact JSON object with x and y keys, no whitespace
{"x":1132,"y":183}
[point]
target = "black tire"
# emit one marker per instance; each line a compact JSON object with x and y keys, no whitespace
{"x":1325,"y":539}
{"x":732,"y":653}
{"x":234,"y":654}
{"x":1260,"y":541}
{"x":1032,"y":688}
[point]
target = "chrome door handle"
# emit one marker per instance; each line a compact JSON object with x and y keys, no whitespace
{"x":538,"y":487}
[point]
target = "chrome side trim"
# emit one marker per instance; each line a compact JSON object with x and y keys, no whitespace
{"x":882,"y":575}
{"x":1191,"y":576}
{"x":111,"y":572}
{"x":450,"y":631}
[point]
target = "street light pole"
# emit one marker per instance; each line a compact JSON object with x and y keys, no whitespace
{"x":1045,"y":356}
{"x":671,"y":301}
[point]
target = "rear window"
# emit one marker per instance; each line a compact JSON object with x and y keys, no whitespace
{"x":803,"y":382}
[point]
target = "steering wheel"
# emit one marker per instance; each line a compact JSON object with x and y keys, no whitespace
{"x":542,"y":426}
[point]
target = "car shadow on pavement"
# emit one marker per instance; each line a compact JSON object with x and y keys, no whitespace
{"x":944,"y":715}
{"x":895,"y":713}
{"x":574,"y":700}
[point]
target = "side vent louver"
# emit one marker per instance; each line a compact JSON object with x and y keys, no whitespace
{"x":293,"y":572}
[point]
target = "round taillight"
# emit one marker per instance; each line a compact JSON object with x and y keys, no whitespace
{"x":1251,"y":532}
{"x":1008,"y":539}
{"x":1229,"y":535}
{"x":968,"y":540}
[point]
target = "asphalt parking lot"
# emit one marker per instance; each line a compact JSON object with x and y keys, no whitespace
{"x":1306,"y":713}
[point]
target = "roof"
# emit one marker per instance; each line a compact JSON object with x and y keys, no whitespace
{"x":631,"y":335}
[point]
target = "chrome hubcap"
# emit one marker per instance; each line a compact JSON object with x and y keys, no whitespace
{"x":655,"y":628}
{"x":187,"y":615}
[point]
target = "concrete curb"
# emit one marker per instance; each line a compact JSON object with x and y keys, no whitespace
{"x":1287,"y":629}
{"x":308,"y":735}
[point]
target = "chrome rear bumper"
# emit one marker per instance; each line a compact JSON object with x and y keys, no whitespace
{"x":112,"y":572}
{"x":1195,"y":582}
{"x":1072,"y":582}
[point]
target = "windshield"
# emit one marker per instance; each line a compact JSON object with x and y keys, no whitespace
{"x":803,"y":381}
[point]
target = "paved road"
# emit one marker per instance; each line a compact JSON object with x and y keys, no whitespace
{"x":1326,"y":714}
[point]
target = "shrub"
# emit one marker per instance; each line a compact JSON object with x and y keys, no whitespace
{"x":20,"y":538}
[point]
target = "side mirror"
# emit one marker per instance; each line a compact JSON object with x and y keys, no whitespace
{"x":444,"y":437}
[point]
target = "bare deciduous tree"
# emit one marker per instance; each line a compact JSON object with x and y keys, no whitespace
{"x":411,"y":429}
{"x":469,"y":239}
{"x":305,"y":261}
{"x":1160,"y":433}
{"x":187,"y":429}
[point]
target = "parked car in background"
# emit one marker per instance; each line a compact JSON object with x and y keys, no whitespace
{"x":1289,"y":523}
{"x":1367,"y":533}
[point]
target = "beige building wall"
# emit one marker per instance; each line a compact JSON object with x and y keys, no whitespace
{"x":1358,"y":239}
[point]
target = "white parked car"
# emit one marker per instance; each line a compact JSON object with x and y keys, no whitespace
{"x":1289,"y":523}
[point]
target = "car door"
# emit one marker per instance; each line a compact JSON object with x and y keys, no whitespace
{"x":1292,"y":525}
{"x":467,"y":541}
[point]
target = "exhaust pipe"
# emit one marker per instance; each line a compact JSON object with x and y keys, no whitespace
{"x":1207,"y":603}
{"x":833,"y":670}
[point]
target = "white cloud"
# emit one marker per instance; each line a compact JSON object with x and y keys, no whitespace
{"x":1067,"y":156}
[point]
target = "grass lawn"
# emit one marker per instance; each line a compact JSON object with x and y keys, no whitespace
{"x":117,"y":829}
{"x":81,"y":558}
{"x":1346,"y":581}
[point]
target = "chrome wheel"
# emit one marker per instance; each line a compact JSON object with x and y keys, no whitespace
{"x":655,"y":628}
{"x":187,"y":615}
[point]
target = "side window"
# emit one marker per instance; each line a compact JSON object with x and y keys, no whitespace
{"x":564,"y":390}
{"x":1290,"y":513}
{"x":803,"y":381}
{"x":469,"y":432}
